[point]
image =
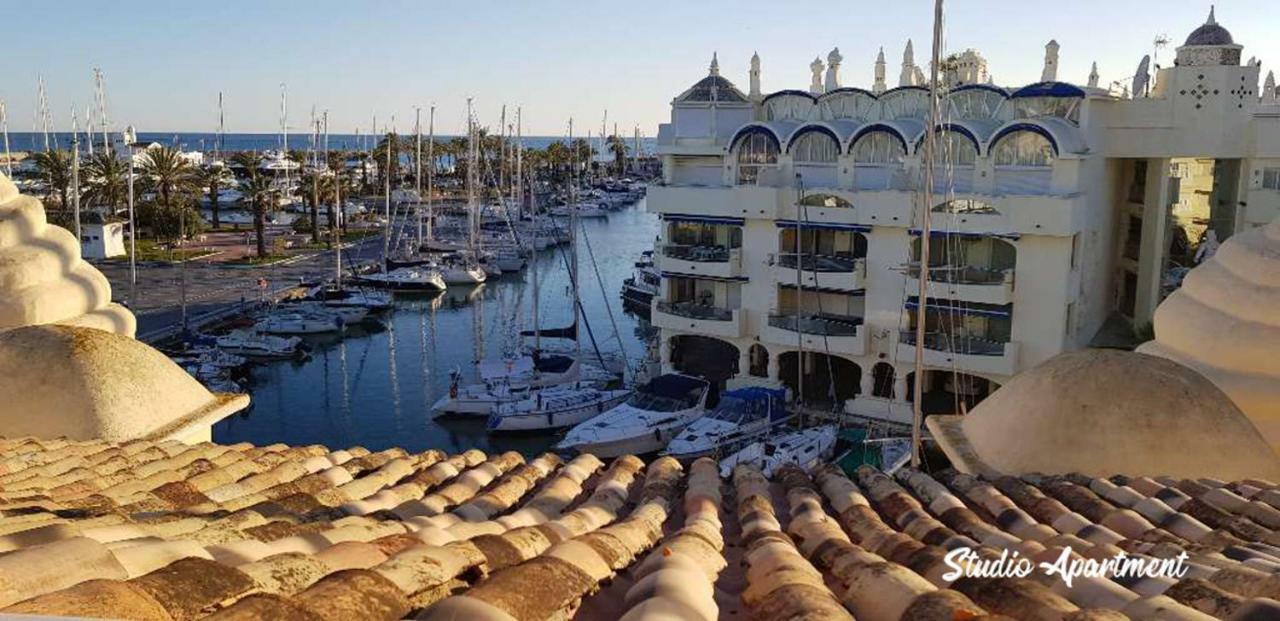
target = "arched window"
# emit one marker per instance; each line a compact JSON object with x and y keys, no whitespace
{"x":825,"y":200}
{"x":965,"y":206}
{"x":756,"y":151}
{"x":878,"y":147}
{"x":815,"y":147}
{"x":953,"y":148}
{"x":1023,"y":148}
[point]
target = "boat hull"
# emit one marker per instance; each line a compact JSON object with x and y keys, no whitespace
{"x":554,"y":419}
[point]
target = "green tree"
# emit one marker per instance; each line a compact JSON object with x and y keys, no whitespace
{"x":310,"y":183}
{"x":390,"y":141}
{"x":213,"y":178}
{"x":618,"y":147}
{"x":107,"y":178}
{"x":55,"y":167}
{"x":260,"y":192}
{"x":175,"y":182}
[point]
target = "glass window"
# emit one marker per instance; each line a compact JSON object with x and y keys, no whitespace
{"x":953,"y":148}
{"x":878,"y":147}
{"x":815,"y":147}
{"x":1271,"y":178}
{"x":755,"y":152}
{"x":1023,"y":148}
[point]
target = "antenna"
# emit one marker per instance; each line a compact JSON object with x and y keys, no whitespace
{"x":1159,"y":43}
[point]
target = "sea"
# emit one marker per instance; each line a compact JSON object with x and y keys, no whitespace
{"x":375,"y":388}
{"x":196,"y":141}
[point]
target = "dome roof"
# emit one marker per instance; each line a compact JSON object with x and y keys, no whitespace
{"x":1103,"y":412}
{"x":713,"y":88}
{"x":1211,"y":33}
{"x":1223,"y":323}
{"x":42,"y":277}
{"x":83,"y":383}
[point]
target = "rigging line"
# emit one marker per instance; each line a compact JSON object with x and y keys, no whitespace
{"x":607,"y":306}
{"x":564,"y":255}
{"x":803,"y":215}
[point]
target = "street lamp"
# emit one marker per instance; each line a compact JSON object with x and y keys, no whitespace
{"x":130,"y":139}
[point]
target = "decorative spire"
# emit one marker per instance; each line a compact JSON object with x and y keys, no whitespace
{"x":879,"y":86}
{"x":1211,"y":21}
{"x":908,"y":76}
{"x":833,"y":69}
{"x":715,"y":64}
{"x":1093,"y":75}
{"x":754,"y":75}
{"x":1269,"y":86}
{"x":1050,"y":71}
{"x":815,"y":81}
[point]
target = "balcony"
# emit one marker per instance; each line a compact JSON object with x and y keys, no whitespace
{"x":820,"y":271}
{"x":713,"y":200}
{"x":965,"y":353}
{"x":697,"y":318}
{"x":968,"y":283}
{"x":714,"y":261}
{"x":837,"y":334}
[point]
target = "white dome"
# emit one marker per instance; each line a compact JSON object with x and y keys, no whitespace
{"x":1225,"y":323}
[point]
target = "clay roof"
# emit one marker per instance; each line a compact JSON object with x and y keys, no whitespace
{"x":163,"y":530}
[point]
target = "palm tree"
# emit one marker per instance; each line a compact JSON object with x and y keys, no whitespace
{"x":310,"y":183}
{"x":175,"y":182}
{"x":391,"y":141}
{"x":618,"y":147}
{"x":337,"y":162}
{"x":108,"y":179}
{"x":213,"y":177}
{"x":55,"y":167}
{"x":259,"y":191}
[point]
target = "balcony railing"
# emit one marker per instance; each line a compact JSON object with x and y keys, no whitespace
{"x":693,"y":310}
{"x":963,"y":274}
{"x":818,"y":263}
{"x":964,"y":345}
{"x":821,"y":324}
{"x":700,"y":254}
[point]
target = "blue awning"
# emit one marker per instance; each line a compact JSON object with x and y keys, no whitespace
{"x":963,"y":308}
{"x":666,"y":274}
{"x":791,"y":224}
{"x":677,"y":217}
{"x":915,"y":232}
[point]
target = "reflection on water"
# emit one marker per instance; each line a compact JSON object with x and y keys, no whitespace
{"x":375,"y":387}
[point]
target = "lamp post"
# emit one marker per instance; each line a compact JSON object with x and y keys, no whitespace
{"x":130,"y":139}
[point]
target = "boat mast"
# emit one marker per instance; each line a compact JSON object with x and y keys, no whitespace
{"x":386,"y":202}
{"x":284,"y":137}
{"x":431,"y":173}
{"x":75,"y":172}
{"x":471,"y":188}
{"x":519,"y":186}
{"x":42,"y":97}
{"x":417,"y":167}
{"x":88,"y":130}
{"x":4,"y":128}
{"x":502,"y":151}
{"x":573,"y":238}
{"x":533,"y":270}
{"x":338,"y":215}
{"x":100,"y":85}
{"x":926,"y":197}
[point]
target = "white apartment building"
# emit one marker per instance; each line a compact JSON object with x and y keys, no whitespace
{"x":792,"y":220}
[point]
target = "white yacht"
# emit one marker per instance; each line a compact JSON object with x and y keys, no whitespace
{"x":419,"y":278}
{"x":741,"y":416}
{"x":805,"y":448}
{"x":300,"y":323}
{"x":553,"y":408}
{"x":512,"y":378}
{"x":481,"y":399}
{"x":462,"y":273}
{"x":262,"y":346}
{"x":644,"y":283}
{"x":348,"y":314}
{"x":334,"y":296}
{"x":646,"y":422}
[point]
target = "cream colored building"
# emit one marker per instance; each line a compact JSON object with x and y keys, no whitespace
{"x":1059,"y":208}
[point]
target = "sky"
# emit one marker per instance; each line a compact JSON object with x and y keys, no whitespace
{"x":165,"y":62}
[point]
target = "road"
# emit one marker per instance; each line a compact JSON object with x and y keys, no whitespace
{"x":212,"y":285}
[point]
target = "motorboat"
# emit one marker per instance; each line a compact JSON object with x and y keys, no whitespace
{"x":262,"y":346}
{"x":653,"y":415}
{"x":553,"y":408}
{"x":422,"y":278}
{"x":348,"y":314}
{"x":334,"y":296}
{"x":805,"y":448}
{"x":639,"y":289}
{"x":742,"y":415}
{"x":300,"y":323}
{"x":480,"y":399}
{"x":462,"y":273}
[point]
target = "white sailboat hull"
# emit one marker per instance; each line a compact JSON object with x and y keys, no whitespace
{"x":463,"y":275}
{"x":543,"y":418}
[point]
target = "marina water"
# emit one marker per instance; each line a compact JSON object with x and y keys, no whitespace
{"x":376,"y":390}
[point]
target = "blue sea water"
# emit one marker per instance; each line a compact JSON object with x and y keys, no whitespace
{"x":33,"y":141}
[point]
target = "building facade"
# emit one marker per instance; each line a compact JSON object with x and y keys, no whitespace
{"x":792,"y":221}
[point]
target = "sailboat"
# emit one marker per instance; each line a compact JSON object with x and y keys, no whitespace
{"x":653,"y":415}
{"x":558,"y":407}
